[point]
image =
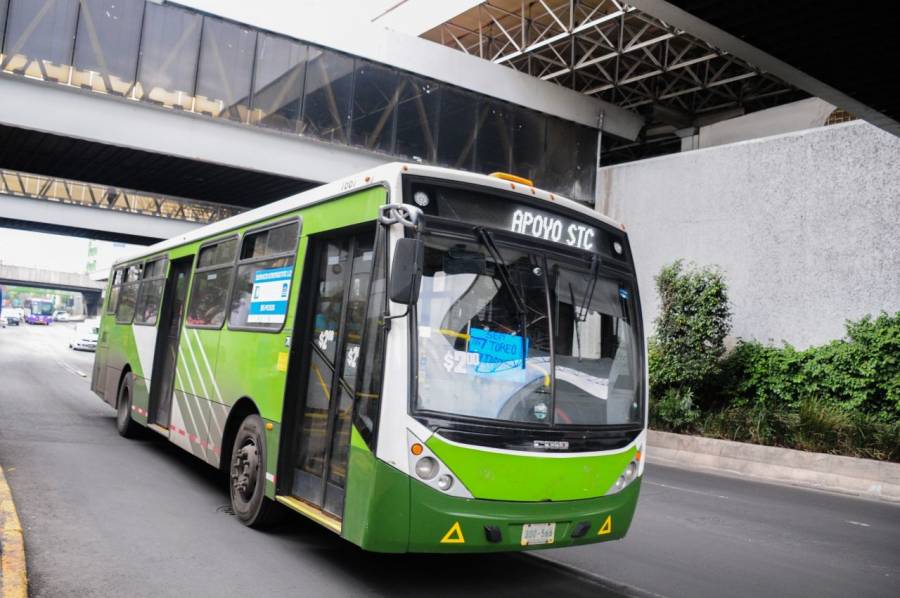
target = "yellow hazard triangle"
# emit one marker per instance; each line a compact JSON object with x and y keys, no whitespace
{"x":606,"y":528}
{"x":454,"y":535}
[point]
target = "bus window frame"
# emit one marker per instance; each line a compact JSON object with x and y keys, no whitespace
{"x":165,"y":259}
{"x":381,"y":245}
{"x":110,"y":306}
{"x":240,"y":262}
{"x":127,"y":281}
{"x":198,"y":270}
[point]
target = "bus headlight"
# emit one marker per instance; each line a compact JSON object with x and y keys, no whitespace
{"x":426,"y":468}
{"x":630,"y":471}
{"x":628,"y":476}
{"x":429,"y":469}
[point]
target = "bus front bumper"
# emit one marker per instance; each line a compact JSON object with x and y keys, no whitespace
{"x":442,"y":523}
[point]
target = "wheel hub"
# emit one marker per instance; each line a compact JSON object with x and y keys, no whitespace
{"x":244,"y":469}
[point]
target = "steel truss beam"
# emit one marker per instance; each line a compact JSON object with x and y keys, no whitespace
{"x":610,"y":50}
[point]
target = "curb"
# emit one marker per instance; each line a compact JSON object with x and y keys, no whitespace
{"x":13,"y":572}
{"x":867,"y":478}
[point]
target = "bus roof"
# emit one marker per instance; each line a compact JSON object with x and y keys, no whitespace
{"x":387,"y":173}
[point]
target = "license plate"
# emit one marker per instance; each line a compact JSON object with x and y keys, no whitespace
{"x":538,"y":533}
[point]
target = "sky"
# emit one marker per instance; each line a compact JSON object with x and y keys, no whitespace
{"x":48,"y":252}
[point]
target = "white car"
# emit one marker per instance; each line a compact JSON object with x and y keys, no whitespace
{"x":85,"y":338}
{"x":60,"y":316}
{"x":13,"y":316}
{"x":2,"y":321}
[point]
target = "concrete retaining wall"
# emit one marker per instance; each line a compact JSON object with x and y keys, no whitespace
{"x":805,"y":226}
{"x":847,"y":475}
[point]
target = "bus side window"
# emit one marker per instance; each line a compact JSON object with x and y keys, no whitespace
{"x":371,"y":359}
{"x":262,"y":284}
{"x":113,"y":300}
{"x":150,"y":295}
{"x":212,"y":281}
{"x":128,"y":294}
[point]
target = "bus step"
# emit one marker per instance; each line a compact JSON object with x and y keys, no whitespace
{"x":311,"y":511}
{"x":159,"y":429}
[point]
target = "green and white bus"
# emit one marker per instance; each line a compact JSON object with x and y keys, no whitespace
{"x":419,"y":359}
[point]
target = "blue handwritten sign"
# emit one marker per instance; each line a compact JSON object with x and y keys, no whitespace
{"x":497,"y":351}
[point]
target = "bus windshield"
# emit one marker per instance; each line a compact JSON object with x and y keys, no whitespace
{"x":42,"y":308}
{"x":510,"y":335}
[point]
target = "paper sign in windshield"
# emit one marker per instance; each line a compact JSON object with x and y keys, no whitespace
{"x":496,"y":351}
{"x":269,"y":298}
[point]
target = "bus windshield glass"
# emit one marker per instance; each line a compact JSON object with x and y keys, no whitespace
{"x":42,"y":308}
{"x":509,"y":335}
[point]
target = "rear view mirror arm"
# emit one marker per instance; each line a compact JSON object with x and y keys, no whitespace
{"x":409,"y":217}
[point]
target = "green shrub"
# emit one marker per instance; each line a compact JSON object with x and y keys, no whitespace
{"x":675,"y":410}
{"x":857,"y":374}
{"x":694,"y":319}
{"x":842,"y":397}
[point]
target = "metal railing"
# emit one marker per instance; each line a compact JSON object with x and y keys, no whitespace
{"x":104,"y":197}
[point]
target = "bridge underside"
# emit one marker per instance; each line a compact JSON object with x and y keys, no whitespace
{"x":94,"y":161}
{"x":77,"y":221}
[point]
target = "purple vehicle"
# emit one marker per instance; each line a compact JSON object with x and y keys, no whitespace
{"x":41,"y":312}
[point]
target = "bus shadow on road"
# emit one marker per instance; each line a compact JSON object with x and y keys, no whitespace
{"x":367,"y":573}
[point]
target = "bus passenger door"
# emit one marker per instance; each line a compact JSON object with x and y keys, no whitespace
{"x":167,"y":338}
{"x":332,"y":346}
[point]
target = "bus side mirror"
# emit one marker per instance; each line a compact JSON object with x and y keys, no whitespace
{"x":406,"y":271}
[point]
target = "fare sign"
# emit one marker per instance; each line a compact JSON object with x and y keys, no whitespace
{"x":550,"y":227}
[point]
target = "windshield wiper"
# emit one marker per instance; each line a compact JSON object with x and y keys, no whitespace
{"x":502,"y":268}
{"x":488,"y":241}
{"x":582,"y":314}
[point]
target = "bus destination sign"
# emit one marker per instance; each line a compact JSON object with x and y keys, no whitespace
{"x":520,"y":217}
{"x":553,"y":228}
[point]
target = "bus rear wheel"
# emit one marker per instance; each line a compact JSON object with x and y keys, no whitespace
{"x":247,"y":476}
{"x":127,"y":427}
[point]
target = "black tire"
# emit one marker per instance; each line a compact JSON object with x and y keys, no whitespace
{"x":247,"y":476}
{"x":128,"y":428}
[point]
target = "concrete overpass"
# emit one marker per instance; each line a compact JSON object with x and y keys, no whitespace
{"x":57,"y":206}
{"x":90,"y":289}
{"x":239,"y":104}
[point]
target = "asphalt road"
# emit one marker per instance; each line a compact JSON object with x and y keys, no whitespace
{"x":105,"y":516}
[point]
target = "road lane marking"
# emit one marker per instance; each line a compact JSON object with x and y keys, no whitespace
{"x":859,"y":523}
{"x":687,"y":490}
{"x":70,"y":369}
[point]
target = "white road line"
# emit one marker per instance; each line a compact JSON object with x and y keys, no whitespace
{"x":70,"y":369}
{"x":859,"y":523}
{"x":687,"y":490}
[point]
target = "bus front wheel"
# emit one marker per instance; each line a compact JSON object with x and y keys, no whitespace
{"x":247,"y":476}
{"x":127,"y":427}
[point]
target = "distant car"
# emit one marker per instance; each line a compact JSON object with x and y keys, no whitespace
{"x":60,"y":316}
{"x":85,"y":338}
{"x":13,"y":318}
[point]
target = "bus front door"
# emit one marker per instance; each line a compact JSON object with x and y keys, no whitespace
{"x":343,"y":267}
{"x":168,"y":335}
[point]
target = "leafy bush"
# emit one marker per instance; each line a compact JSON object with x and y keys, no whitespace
{"x":694,"y":319}
{"x":675,"y":410}
{"x":842,"y":397}
{"x":857,"y":374}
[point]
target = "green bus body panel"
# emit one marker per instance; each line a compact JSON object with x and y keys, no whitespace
{"x":508,"y":477}
{"x":434,"y":514}
{"x":218,"y":367}
{"x":387,"y":511}
{"x":376,"y":505}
